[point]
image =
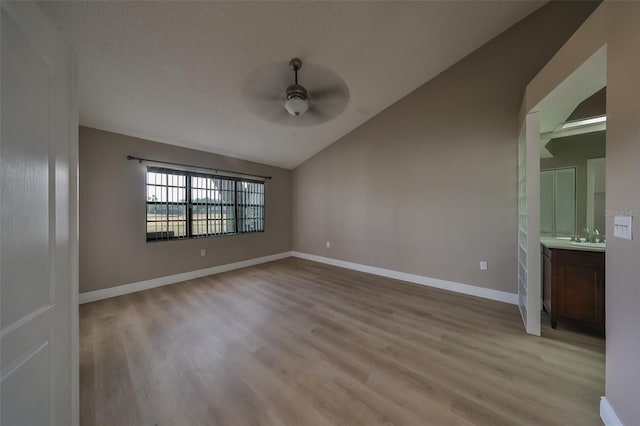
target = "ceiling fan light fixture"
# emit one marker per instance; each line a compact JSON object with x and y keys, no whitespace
{"x":297,"y":101}
{"x":296,"y":106}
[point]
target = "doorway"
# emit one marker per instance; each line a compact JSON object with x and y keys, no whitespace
{"x":556,"y":121}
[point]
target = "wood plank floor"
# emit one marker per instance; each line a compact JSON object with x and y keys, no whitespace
{"x":299,"y":343}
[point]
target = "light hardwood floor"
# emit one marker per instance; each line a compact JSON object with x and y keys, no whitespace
{"x":299,"y":343}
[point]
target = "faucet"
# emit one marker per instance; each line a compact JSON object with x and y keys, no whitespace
{"x":593,"y":237}
{"x":586,"y":236}
{"x":589,"y":237}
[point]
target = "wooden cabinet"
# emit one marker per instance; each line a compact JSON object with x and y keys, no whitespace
{"x":573,"y":287}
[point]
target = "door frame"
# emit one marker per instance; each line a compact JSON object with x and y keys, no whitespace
{"x":529,"y":268}
{"x":554,"y":99}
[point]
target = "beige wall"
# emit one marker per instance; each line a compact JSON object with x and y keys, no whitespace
{"x":623,"y":194}
{"x":574,"y":151}
{"x":113,"y":249}
{"x":429,"y":185}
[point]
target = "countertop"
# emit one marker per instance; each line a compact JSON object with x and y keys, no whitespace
{"x":566,"y":244}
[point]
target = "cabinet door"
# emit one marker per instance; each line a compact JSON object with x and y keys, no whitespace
{"x":565,"y":202}
{"x":546,"y":202}
{"x":580,"y":293}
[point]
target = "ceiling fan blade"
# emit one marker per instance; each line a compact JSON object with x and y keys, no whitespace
{"x":274,"y":113}
{"x":330,"y":93}
{"x":257,"y":97}
{"x":330,"y":101}
{"x":272,"y":78}
{"x":252,"y":92}
{"x":328,"y":110}
{"x":267,"y":83}
{"x":262,"y":106}
{"x":317,"y":115}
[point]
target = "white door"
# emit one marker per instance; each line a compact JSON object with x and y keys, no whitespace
{"x":529,"y":289}
{"x":38,"y":222}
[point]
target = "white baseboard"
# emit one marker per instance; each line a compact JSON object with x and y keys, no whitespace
{"x":472,"y":290}
{"x":486,"y":293}
{"x":608,"y":416}
{"x":92,"y":296}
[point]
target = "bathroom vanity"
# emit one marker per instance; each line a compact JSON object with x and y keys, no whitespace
{"x":573,"y":282}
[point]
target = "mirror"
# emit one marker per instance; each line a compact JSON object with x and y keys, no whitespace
{"x":572,"y":173}
{"x":596,"y":193}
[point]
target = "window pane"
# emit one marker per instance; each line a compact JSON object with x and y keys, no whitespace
{"x":210,"y":198}
{"x":156,"y":178}
{"x":199,"y":227}
{"x":178,"y":228}
{"x":176,"y":195}
{"x":250,"y":206}
{"x":156,"y":193}
{"x":166,"y":206}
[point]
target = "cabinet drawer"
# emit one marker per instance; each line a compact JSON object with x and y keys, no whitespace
{"x":578,"y":257}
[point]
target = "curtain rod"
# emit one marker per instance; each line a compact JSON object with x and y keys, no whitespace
{"x":131,"y":157}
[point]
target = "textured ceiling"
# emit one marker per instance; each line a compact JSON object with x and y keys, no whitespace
{"x":173,"y":71}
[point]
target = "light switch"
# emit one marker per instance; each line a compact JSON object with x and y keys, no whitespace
{"x":483,"y":266}
{"x":622,"y":226}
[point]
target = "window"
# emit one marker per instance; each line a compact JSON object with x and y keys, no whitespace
{"x":250,"y":206}
{"x":189,"y":205}
{"x":166,"y":205}
{"x":213,"y":210}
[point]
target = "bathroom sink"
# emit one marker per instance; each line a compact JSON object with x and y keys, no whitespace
{"x":594,"y":245}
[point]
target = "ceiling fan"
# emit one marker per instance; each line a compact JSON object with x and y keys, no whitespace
{"x":275,"y":95}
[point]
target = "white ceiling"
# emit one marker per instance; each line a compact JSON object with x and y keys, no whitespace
{"x":173,"y":71}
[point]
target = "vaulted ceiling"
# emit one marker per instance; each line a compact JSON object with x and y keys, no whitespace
{"x":173,"y":71}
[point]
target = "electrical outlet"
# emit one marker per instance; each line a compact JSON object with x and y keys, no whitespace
{"x":203,"y":252}
{"x":328,"y":244}
{"x":484,"y":266}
